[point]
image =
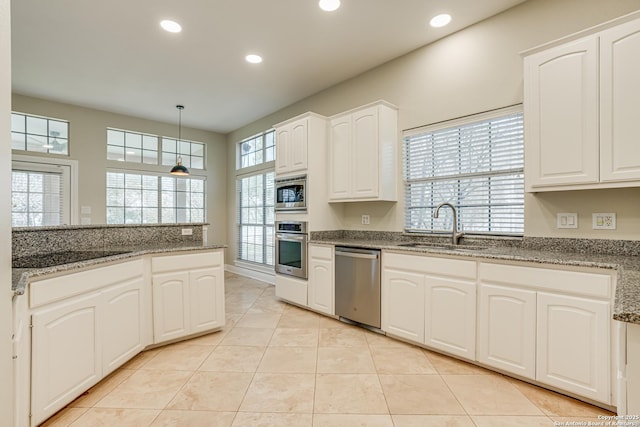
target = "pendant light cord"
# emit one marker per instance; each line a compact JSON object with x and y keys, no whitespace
{"x":180,"y":108}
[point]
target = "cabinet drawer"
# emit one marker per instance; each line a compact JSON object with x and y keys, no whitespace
{"x":430,"y":265}
{"x":574,"y":282}
{"x":321,"y":251}
{"x":161,"y":264}
{"x":57,"y":288}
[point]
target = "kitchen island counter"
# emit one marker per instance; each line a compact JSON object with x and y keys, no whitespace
{"x":22,"y":276}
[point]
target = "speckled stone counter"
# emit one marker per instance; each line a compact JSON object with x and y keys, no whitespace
{"x":22,"y":276}
{"x":118,"y":242}
{"x":621,"y":256}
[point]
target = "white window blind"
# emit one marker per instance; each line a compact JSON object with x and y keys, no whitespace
{"x":476,"y":164}
{"x":37,"y":198}
{"x":256,"y":216}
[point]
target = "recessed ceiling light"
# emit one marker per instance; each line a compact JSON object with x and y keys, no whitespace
{"x":329,"y":5}
{"x":170,"y":26}
{"x":254,"y":59}
{"x":440,"y":20}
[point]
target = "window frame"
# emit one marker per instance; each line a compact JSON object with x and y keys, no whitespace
{"x":463,"y":177}
{"x":265,"y":225}
{"x":159,"y":189}
{"x":26,"y":133}
{"x":45,"y":164}
{"x":264,"y":163}
{"x":159,"y":151}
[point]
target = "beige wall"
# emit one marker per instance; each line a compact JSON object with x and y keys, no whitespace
{"x":87,"y":145}
{"x":6,"y":371}
{"x":474,"y":70}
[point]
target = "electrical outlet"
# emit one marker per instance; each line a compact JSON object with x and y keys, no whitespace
{"x":604,"y":221}
{"x":187,"y":231}
{"x":366,"y":219}
{"x":567,"y":220}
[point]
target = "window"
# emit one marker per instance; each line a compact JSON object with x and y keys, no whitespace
{"x":257,"y":150}
{"x":192,"y":153}
{"x":256,"y":218}
{"x":476,"y":164}
{"x":133,"y":147}
{"x":39,"y":134}
{"x":134,"y":198}
{"x":136,"y":147}
{"x":42,"y":191}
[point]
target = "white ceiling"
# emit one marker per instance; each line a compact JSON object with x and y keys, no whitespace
{"x":113,"y":55}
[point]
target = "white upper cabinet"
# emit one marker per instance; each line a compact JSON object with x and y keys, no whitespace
{"x":579,"y":109}
{"x":362,"y":154}
{"x":561,"y":113}
{"x":291,"y":146}
{"x":619,"y":96}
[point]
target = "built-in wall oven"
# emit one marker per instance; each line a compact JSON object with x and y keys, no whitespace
{"x":291,"y":194}
{"x":291,"y":248}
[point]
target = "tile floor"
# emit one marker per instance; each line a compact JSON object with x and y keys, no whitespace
{"x":277,"y":365}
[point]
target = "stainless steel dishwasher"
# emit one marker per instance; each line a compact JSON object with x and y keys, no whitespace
{"x":358,"y":285}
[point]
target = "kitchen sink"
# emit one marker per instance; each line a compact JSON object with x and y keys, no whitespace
{"x":460,"y":248}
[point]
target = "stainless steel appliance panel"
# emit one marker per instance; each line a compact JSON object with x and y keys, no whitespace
{"x":291,"y":194}
{"x":291,"y":248}
{"x":357,"y":285}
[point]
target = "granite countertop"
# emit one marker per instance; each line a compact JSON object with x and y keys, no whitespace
{"x":22,"y":276}
{"x":627,"y":296}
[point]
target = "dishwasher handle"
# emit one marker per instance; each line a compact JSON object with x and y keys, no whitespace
{"x":356,"y":255}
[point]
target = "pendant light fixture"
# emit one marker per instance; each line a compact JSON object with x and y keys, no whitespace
{"x":178,"y":169}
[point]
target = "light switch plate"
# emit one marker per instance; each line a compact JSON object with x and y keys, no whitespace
{"x":567,"y":220}
{"x":604,"y":221}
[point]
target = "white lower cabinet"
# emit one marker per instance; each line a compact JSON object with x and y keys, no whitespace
{"x":170,"y":306}
{"x":574,"y":345}
{"x":430,"y":301}
{"x":66,"y":358}
{"x":188,"y":294}
{"x":403,"y":304}
{"x":321,"y":289}
{"x":84,"y":325}
{"x":632,"y":369}
{"x":507,"y":329}
{"x":549,"y":325}
{"x":450,"y":316}
{"x":125,"y":323}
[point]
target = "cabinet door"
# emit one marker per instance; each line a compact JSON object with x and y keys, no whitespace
{"x":403,"y":304}
{"x":321,"y":283}
{"x":340,"y":155}
{"x":619,"y":95}
{"x":450,"y":316}
{"x":206,"y":293}
{"x":170,"y":306}
{"x":507,"y":329}
{"x":298,"y":146}
{"x":283,"y":142}
{"x":365,"y":162}
{"x":124,"y":324}
{"x":574,"y":345}
{"x":561,"y":113}
{"x":66,"y":354}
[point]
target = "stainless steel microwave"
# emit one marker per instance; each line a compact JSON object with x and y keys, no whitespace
{"x":291,"y":193}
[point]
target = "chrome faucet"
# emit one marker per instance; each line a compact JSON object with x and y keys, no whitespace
{"x":455,"y":236}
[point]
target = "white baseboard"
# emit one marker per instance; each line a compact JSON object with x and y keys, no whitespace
{"x":253,"y":274}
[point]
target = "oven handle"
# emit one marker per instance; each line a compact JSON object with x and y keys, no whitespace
{"x":291,"y":237}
